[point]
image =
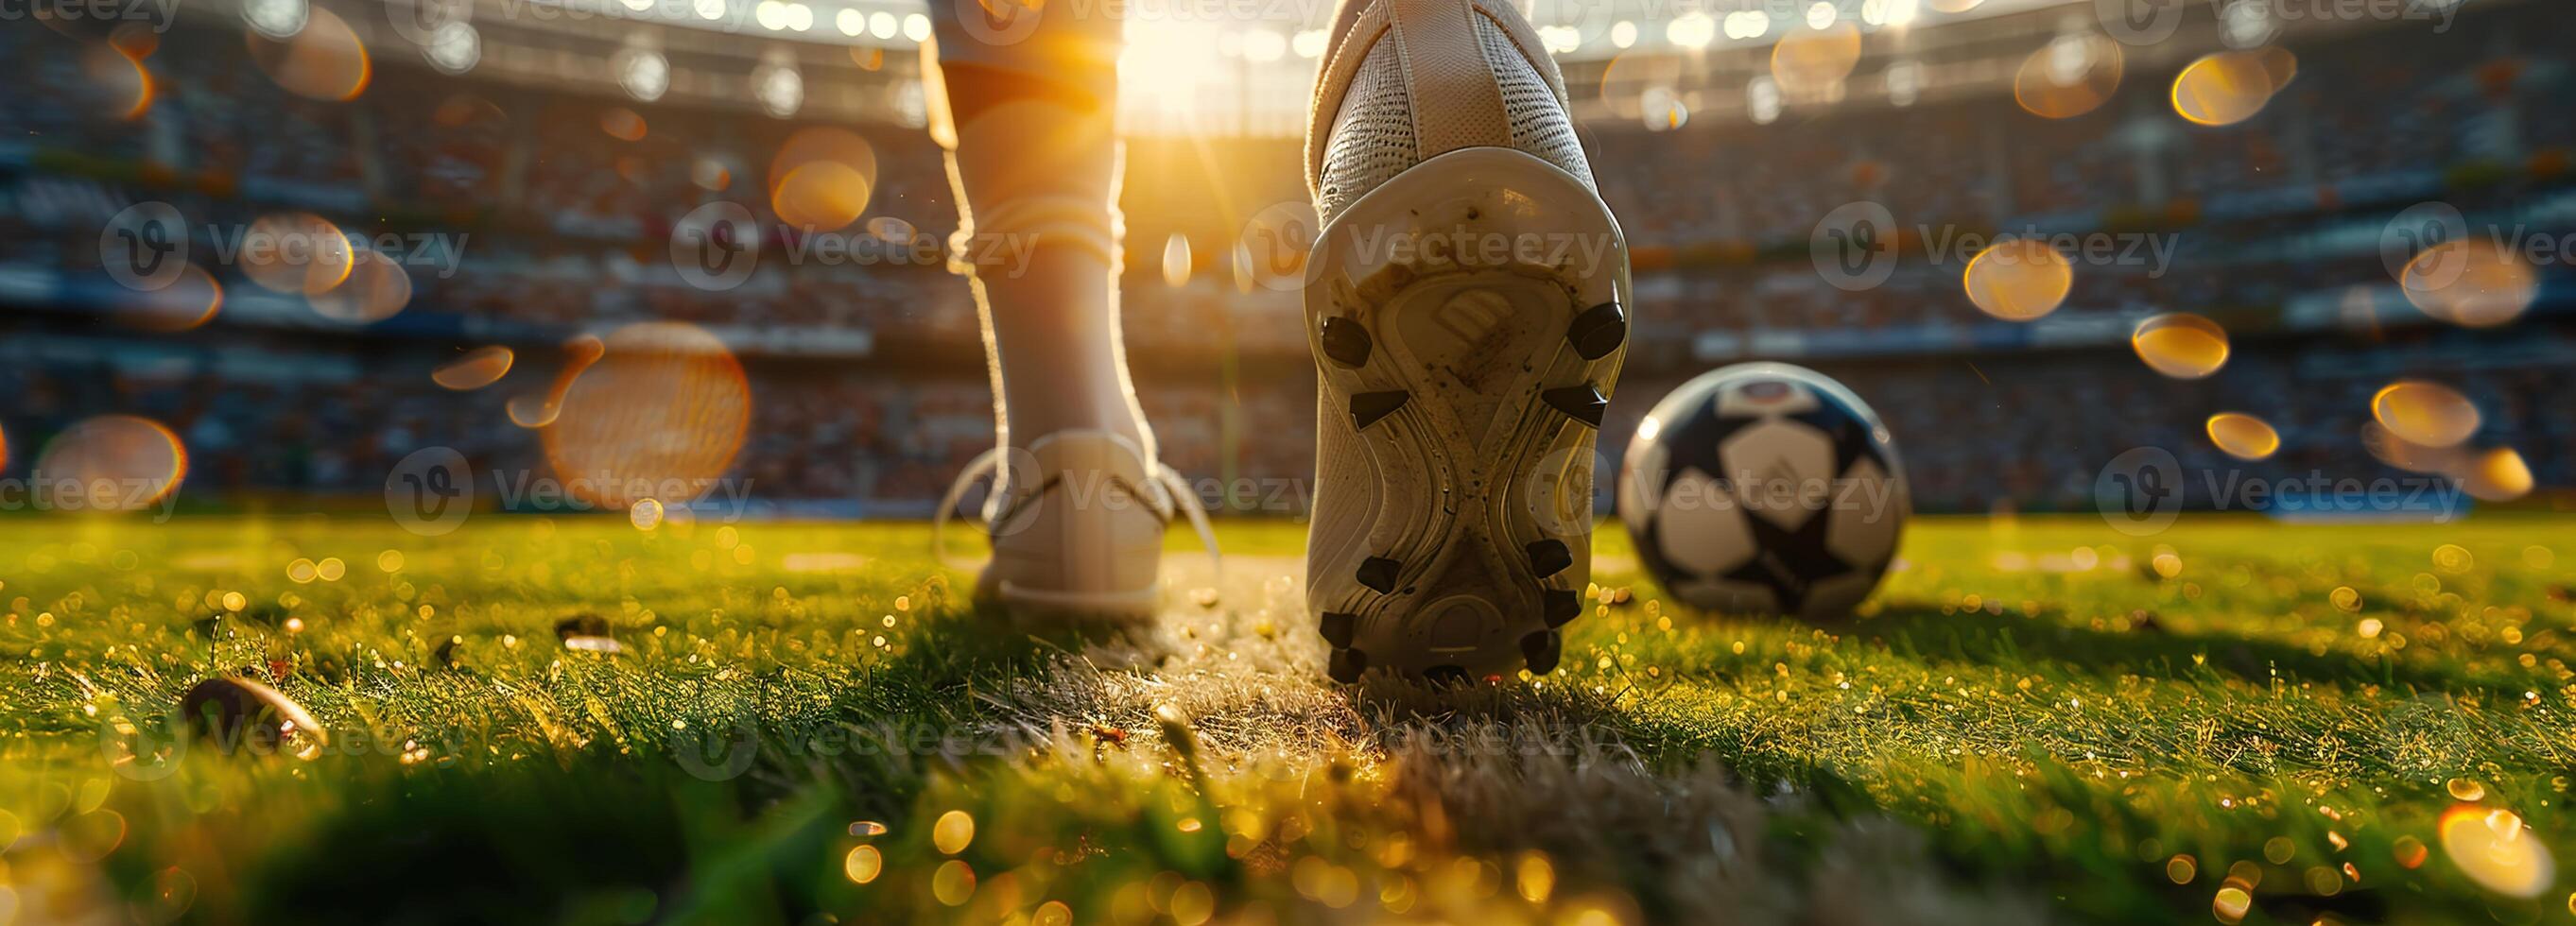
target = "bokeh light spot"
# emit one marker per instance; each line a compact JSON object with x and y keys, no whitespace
{"x":2223,"y":89}
{"x":2494,"y":848}
{"x":377,"y":289}
{"x":2471,"y":283}
{"x":480,"y":367}
{"x":662,"y":413}
{"x":2425,"y":414}
{"x":2181,"y":345}
{"x":115,"y":462}
{"x":2019,"y":279}
{"x":323,"y":61}
{"x":2243,"y":436}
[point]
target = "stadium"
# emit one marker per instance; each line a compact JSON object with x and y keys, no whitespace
{"x":671,"y":641}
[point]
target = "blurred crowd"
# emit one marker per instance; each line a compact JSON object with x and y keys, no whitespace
{"x":559,"y":204}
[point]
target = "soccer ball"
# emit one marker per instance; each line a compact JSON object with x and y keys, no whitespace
{"x":1765,"y":488}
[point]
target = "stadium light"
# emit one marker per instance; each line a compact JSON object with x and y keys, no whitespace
{"x":916,"y":27}
{"x":1622,"y":34}
{"x":1762,"y":100}
{"x":1560,"y":39}
{"x":1264,"y":46}
{"x":454,"y":48}
{"x":276,"y":19}
{"x":778,"y":87}
{"x":851,"y":22}
{"x":1694,"y":30}
{"x":643,"y":72}
{"x":1890,"y":13}
{"x":1308,"y":43}
{"x":883,"y":25}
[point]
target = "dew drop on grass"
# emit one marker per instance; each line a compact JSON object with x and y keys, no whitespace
{"x":2467,"y":789}
{"x":953,"y":883}
{"x":953,"y":832}
{"x":863,"y":864}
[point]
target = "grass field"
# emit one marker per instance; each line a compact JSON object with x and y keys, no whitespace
{"x":2036,"y":720}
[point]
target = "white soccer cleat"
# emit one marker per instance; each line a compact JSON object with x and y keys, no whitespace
{"x":1076,"y":522}
{"x":1464,"y":306}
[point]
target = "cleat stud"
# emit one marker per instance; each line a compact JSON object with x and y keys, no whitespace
{"x":1337,"y":628}
{"x":1595,"y":333}
{"x":1549,"y":557}
{"x":1542,"y":648}
{"x":1582,"y":403}
{"x":1561,"y":605}
{"x":1379,"y":574}
{"x":1368,"y":407}
{"x":1345,"y":665}
{"x":1346,"y":343}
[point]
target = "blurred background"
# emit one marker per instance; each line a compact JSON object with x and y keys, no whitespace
{"x":2294,"y":236}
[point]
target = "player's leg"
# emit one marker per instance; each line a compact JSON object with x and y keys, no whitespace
{"x":1461,"y":380}
{"x":1026,"y":113}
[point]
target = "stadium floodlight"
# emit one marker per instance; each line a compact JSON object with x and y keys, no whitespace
{"x":1905,"y":82}
{"x":851,"y":22}
{"x":1308,"y":43}
{"x":1262,"y":46}
{"x":1560,"y":40}
{"x":454,"y":48}
{"x":779,"y":88}
{"x":883,"y":25}
{"x":2247,"y":23}
{"x":276,"y":19}
{"x":1622,"y":34}
{"x":1821,"y":14}
{"x":1693,"y":30}
{"x":1762,"y":100}
{"x":1746,"y":24}
{"x":916,"y":27}
{"x":643,"y":72}
{"x":1896,"y":13}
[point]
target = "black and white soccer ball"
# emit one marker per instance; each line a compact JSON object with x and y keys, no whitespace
{"x":1765,"y":488}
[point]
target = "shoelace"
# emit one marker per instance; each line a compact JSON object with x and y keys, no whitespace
{"x":988,"y":463}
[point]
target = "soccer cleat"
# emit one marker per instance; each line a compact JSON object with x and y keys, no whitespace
{"x":1464,"y":303}
{"x":1076,"y":522}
